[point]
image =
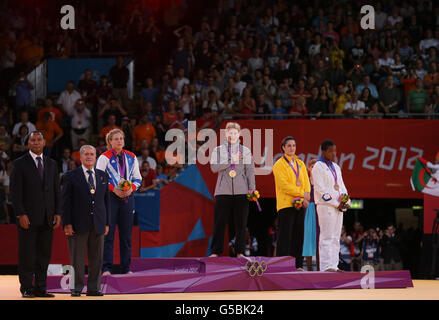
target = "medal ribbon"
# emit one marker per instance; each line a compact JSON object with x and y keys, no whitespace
{"x":331,"y":168}
{"x":121,"y":170}
{"x":230,"y":157}
{"x":292,"y":167}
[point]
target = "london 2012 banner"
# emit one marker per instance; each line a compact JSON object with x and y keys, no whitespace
{"x":377,"y":157}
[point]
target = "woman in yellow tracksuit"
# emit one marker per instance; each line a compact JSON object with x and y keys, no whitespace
{"x":292,"y":182}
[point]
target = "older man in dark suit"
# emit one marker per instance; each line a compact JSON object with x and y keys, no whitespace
{"x":85,"y":216}
{"x":35,"y":195}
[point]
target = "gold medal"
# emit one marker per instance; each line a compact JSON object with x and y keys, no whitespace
{"x":92,"y":191}
{"x":232,"y":174}
{"x":336,"y":187}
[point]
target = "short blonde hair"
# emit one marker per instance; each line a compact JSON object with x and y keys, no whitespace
{"x":233,"y":125}
{"x":110,"y":135}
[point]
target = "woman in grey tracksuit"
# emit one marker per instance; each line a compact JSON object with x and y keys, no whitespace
{"x":236,"y":177}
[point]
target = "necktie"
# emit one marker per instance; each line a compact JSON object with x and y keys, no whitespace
{"x":40,"y":167}
{"x":90,"y":179}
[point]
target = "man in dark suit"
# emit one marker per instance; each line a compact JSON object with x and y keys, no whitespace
{"x":85,"y":217}
{"x":35,"y":193}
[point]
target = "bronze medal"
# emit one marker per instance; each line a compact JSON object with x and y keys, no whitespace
{"x":336,"y":187}
{"x":232,"y":174}
{"x":92,"y":191}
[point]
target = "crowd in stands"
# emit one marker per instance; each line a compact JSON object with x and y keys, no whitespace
{"x":245,"y":58}
{"x":382,"y":249}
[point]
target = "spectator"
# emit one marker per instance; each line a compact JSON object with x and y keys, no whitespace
{"x":278,"y":110}
{"x":431,"y":79}
{"x":367,"y":84}
{"x":391,"y":249}
{"x":51,"y":132}
{"x":67,"y":98}
{"x":357,"y":238}
{"x":171,"y":115}
{"x":104,"y":91}
{"x":162,"y":179}
{"x":397,"y":68}
{"x":419,"y":70}
{"x":261,"y":106}
{"x":181,"y":80}
{"x":409,"y":82}
{"x":206,"y":120}
{"x":345,"y":250}
{"x":299,"y":107}
{"x":113,"y":108}
{"x":433,"y":103}
{"x":87,"y":87}
{"x":149,"y":93}
{"x":20,"y":146}
{"x":339,"y":100}
{"x":64,"y":162}
{"x":180,"y":57}
{"x":55,"y":114}
{"x":316,"y":106}
{"x":119,"y":76}
{"x":143,"y":131}
{"x":187,"y":102}
{"x":24,"y":117}
{"x":367,"y":99}
{"x":255,"y":62}
{"x":300,"y":92}
{"x":417,"y":98}
{"x":213,"y":104}
{"x":144,"y":156}
{"x":81,"y":123}
{"x":354,"y":107}
{"x":209,"y":87}
{"x":370,"y":250}
{"x":390,"y":97}
{"x":111,"y":124}
{"x":247,"y":104}
{"x":428,"y":42}
{"x":5,"y":139}
{"x":148,"y":177}
{"x":22,"y":89}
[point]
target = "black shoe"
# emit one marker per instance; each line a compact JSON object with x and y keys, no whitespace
{"x":94,"y":293}
{"x":27,"y":294}
{"x":44,"y":295}
{"x":76,"y":293}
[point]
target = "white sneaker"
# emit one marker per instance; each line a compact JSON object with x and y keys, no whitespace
{"x":106,"y":273}
{"x":213,"y":255}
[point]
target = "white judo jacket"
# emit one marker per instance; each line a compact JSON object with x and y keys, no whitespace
{"x":324,"y":191}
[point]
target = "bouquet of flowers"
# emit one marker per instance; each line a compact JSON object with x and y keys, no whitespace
{"x":343,"y":199}
{"x":124,"y":185}
{"x":297,"y":203}
{"x":253,"y":195}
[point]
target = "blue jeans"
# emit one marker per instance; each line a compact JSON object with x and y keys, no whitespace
{"x":122,"y":214}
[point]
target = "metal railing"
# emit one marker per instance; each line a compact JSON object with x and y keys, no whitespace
{"x":429,"y":116}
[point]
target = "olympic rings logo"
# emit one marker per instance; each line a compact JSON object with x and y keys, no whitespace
{"x":256,"y":268}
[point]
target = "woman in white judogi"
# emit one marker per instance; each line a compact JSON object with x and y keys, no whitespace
{"x":328,"y":187}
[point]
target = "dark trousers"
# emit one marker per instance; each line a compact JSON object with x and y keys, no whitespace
{"x":122,"y":215}
{"x":291,"y":231}
{"x":79,"y":245}
{"x":34,"y":250}
{"x":226,"y":206}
